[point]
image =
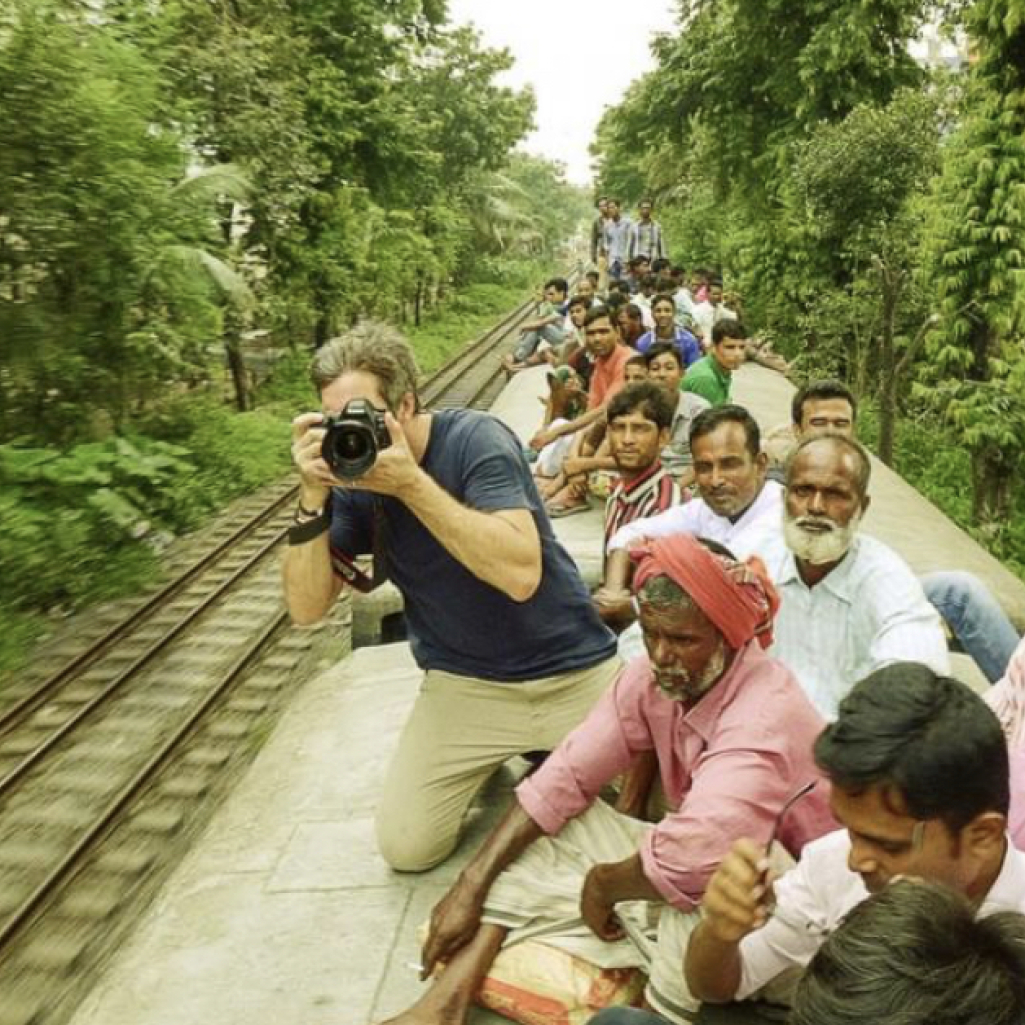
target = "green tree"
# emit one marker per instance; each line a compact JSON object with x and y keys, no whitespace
{"x":978,"y":210}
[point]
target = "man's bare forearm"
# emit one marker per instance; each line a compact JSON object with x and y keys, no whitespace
{"x":712,"y":966}
{"x":311,"y":586}
{"x":501,"y":548}
{"x":509,"y":839}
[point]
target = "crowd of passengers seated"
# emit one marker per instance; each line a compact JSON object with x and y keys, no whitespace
{"x":778,"y":652}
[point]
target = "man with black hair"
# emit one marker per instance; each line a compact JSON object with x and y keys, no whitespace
{"x":647,"y":237}
{"x":712,"y":375}
{"x":918,"y":771}
{"x":598,"y":229}
{"x":737,"y":507}
{"x":549,"y":325}
{"x":666,"y":368}
{"x":639,"y":418}
{"x":618,"y":232}
{"x":915,"y":954}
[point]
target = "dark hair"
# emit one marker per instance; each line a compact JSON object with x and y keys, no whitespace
{"x":634,"y":312}
{"x":614,"y":302}
{"x":863,"y":474}
{"x":559,"y":284}
{"x":663,"y":349}
{"x":636,"y":261}
{"x":709,"y":420}
{"x":715,"y":281}
{"x":728,"y":328}
{"x":648,"y":280}
{"x":638,"y":358}
{"x":645,"y":398}
{"x":915,"y":954}
{"x":660,"y":265}
{"x":665,"y":284}
{"x":603,"y":199}
{"x":662,"y":297}
{"x":593,"y":276}
{"x":599,"y":312}
{"x":929,"y":737}
{"x":579,"y":300}
{"x":827,"y":388}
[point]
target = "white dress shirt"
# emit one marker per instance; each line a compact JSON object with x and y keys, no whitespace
{"x":742,"y":536}
{"x":813,"y":898}
{"x":866,"y":613}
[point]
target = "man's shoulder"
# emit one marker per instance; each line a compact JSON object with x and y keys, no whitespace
{"x":690,"y":404}
{"x":875,"y":561}
{"x":456,"y":431}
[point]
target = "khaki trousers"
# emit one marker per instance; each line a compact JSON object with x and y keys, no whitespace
{"x":460,"y":731}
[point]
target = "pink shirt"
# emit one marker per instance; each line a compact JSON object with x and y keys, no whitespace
{"x":727,"y":765}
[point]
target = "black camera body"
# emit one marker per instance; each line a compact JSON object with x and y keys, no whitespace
{"x":353,"y":439}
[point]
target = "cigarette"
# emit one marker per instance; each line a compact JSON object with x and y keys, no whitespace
{"x":414,"y":966}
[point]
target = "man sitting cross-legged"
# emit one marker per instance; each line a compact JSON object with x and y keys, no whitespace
{"x":848,"y":604}
{"x":918,"y":770}
{"x":732,"y":731}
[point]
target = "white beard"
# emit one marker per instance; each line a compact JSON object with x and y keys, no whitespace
{"x":680,"y":685}
{"x":819,"y":547}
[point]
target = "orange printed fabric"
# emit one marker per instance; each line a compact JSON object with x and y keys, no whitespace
{"x":537,"y":984}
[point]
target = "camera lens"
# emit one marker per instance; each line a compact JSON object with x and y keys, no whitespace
{"x":351,"y":446}
{"x":349,"y":449}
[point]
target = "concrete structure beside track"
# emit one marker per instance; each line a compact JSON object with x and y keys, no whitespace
{"x":283,"y":914}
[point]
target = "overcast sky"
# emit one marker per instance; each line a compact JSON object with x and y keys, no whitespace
{"x":578,"y":55}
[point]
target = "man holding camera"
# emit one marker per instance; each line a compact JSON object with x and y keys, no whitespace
{"x":499,"y":619}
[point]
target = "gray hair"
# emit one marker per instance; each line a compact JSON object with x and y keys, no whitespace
{"x":863,"y":473}
{"x":663,"y":591}
{"x":373,"y":348}
{"x":916,"y":954}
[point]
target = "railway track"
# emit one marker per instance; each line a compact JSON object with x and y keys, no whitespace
{"x":111,"y":759}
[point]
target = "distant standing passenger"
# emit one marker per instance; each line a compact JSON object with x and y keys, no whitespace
{"x":598,"y":230}
{"x":647,"y":237}
{"x":618,"y":236}
{"x":500,"y":621}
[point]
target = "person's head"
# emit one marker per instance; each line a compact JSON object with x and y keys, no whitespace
{"x":603,"y":205}
{"x":585,"y":289}
{"x":663,"y":312}
{"x":556,"y":290}
{"x":665,"y":367}
{"x":698,"y":607}
{"x":824,"y":407}
{"x":729,"y":464}
{"x":594,"y":277}
{"x":728,"y":344}
{"x":612,"y":208}
{"x":660,"y":266}
{"x":371,"y":361}
{"x":631,"y":322}
{"x":638,"y":265}
{"x":826,"y":497}
{"x":648,"y":282}
{"x":715,"y":289}
{"x":678,"y":273}
{"x":601,"y":335}
{"x":916,"y":954}
{"x":644,"y":208}
{"x":699,"y":278}
{"x":635,"y":369}
{"x":639,"y":417}
{"x":579,"y":306}
{"x":918,"y":765}
{"x":664,"y":284}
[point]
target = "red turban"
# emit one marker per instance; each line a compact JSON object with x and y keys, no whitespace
{"x":737,"y":597}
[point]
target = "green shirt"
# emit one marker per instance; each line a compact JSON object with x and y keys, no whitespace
{"x":709,"y":380}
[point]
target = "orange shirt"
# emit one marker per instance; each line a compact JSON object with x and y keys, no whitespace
{"x":608,"y":376}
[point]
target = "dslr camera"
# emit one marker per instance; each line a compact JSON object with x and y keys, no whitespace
{"x":353,"y":439}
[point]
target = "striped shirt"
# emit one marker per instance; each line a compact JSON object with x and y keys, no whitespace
{"x":652,"y":492}
{"x":866,"y":613}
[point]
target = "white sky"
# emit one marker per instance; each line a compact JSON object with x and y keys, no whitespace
{"x":579,"y":56}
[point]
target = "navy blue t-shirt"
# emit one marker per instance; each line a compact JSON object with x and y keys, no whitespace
{"x":457,"y":622}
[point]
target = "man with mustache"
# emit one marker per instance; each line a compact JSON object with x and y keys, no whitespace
{"x":732,"y":732}
{"x":848,"y":604}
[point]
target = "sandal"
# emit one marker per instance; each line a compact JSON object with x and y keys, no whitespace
{"x":556,"y":510}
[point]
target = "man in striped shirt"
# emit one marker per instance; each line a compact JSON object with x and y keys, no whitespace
{"x":639,"y":419}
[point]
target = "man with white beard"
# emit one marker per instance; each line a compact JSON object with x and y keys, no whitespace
{"x":849,"y":605}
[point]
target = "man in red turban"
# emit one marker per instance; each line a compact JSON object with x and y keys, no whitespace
{"x":732,"y":733}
